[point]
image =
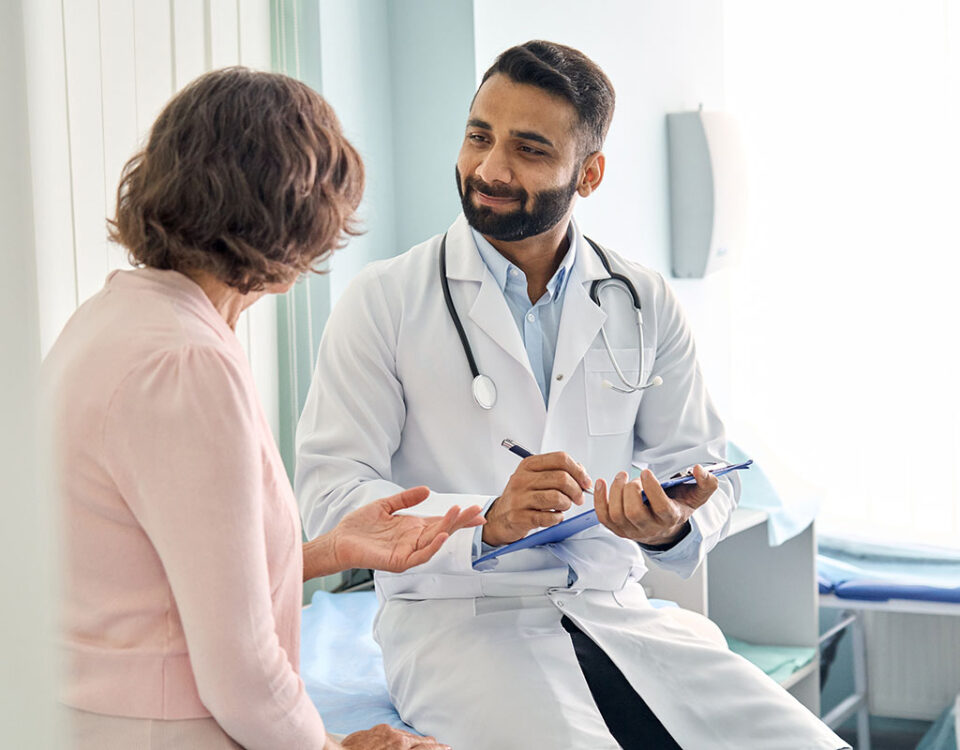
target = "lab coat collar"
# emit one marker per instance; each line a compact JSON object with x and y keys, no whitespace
{"x":581,"y":320}
{"x":489,"y":310}
{"x":588,"y":267}
{"x":463,"y":260}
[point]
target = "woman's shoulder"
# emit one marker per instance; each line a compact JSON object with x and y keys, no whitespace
{"x":140,"y":322}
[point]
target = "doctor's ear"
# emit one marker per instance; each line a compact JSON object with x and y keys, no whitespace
{"x":591,"y":173}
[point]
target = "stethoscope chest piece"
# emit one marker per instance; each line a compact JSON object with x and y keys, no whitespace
{"x":484,"y":391}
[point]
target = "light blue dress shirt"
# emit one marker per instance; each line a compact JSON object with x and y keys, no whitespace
{"x":538,"y":322}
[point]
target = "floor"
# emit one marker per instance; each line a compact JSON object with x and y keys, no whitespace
{"x":889,"y":734}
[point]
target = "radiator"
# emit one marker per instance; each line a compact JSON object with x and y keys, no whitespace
{"x":913,"y":663}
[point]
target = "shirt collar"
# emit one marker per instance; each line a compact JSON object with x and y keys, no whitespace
{"x":500,"y":267}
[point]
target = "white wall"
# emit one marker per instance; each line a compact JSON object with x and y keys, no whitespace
{"x":661,"y":56}
{"x":402,"y":110}
{"x":847,"y":305}
{"x":28,"y":541}
{"x":99,"y":72}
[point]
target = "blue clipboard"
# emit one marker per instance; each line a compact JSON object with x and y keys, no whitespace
{"x":585,"y":520}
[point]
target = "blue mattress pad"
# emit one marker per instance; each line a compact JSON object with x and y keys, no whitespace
{"x":884,"y":575}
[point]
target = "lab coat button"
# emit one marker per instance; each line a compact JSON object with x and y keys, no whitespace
{"x":560,"y":604}
{"x":560,"y":376}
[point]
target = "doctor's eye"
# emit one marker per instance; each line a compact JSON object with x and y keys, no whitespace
{"x":530,"y":150}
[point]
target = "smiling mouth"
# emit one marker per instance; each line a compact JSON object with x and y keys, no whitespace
{"x":490,"y":200}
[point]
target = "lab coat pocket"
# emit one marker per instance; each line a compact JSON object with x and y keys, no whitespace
{"x":610,"y":412}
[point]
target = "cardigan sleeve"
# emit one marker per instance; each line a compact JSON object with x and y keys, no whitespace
{"x":182,"y":441}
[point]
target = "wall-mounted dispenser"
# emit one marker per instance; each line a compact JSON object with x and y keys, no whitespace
{"x":707,"y":192}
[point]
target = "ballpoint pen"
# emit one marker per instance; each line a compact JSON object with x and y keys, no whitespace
{"x":518,"y":450}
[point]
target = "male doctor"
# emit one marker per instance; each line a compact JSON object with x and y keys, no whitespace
{"x":554,"y":647}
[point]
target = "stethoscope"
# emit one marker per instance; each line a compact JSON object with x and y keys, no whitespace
{"x":485,"y":390}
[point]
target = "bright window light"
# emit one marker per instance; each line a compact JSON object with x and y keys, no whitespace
{"x":847,"y":302}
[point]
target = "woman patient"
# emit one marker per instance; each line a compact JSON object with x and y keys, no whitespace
{"x":185,"y":565}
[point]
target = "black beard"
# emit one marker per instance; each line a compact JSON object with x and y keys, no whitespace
{"x":549,"y":207}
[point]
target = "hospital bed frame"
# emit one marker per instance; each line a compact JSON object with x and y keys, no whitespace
{"x":850,"y":617}
{"x":856,"y":703}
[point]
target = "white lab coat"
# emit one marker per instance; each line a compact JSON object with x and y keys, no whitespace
{"x":466,"y":652}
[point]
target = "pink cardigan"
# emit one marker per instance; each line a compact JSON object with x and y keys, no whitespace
{"x":183,"y":548}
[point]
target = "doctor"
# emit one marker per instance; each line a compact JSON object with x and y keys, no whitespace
{"x":555,"y":647}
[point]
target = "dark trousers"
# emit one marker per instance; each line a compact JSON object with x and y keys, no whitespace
{"x":629,"y":719}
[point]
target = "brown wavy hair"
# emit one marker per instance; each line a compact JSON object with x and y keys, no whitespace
{"x":246,"y":175}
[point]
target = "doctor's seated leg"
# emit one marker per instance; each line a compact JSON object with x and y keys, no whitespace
{"x":512,"y":672}
{"x":500,"y":673}
{"x":626,"y":714}
{"x":517,"y":672}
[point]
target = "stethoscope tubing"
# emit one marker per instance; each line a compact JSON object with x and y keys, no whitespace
{"x":451,"y":308}
{"x":484,"y":389}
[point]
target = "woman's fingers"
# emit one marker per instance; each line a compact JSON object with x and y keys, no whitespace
{"x":448,"y":522}
{"x":405,"y":499}
{"x":421,"y":555}
{"x":471,"y":517}
{"x":454,"y":520}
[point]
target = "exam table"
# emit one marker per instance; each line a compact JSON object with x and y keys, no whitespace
{"x":852,"y":580}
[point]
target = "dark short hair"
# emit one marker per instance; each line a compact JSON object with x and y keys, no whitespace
{"x":246,"y":175}
{"x":567,"y":73}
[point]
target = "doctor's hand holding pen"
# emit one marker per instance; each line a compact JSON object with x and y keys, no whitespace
{"x":664,"y":520}
{"x":375,"y":537}
{"x":537,"y":494}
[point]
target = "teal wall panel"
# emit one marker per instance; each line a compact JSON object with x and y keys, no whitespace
{"x":433,"y":78}
{"x":400,"y":75}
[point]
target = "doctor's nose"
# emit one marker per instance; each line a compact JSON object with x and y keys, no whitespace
{"x":494,"y":168}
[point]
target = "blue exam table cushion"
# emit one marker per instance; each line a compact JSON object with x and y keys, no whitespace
{"x":341,"y":665}
{"x":882,"y":574}
{"x":881,"y":591}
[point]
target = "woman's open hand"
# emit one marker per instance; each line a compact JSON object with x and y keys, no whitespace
{"x":375,"y":537}
{"x":384,"y":737}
